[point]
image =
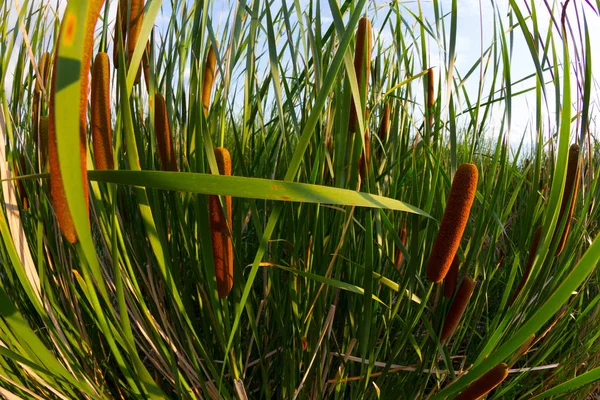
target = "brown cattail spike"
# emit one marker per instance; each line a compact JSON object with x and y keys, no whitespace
{"x":384,"y":127}
{"x":451,"y":278}
{"x":365,"y":158}
{"x":400,"y":255}
{"x":362,"y":64}
{"x":220,"y":229}
{"x":101,"y":122}
{"x":164,"y":140}
{"x":457,"y":308}
{"x":57,"y":191}
{"x":120,"y":30}
{"x":146,"y":65}
{"x":532,"y":252}
{"x":209,"y":78}
{"x":485,"y":384}
{"x":568,"y":202}
{"x":454,"y":221}
{"x":43,"y":153}
{"x":129,"y":29}
{"x":430,"y":95}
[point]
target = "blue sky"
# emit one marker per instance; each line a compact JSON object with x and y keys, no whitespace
{"x":475,"y":26}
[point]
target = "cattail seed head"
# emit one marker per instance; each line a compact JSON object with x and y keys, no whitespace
{"x":362,"y":63}
{"x":400,"y":255}
{"x":164,"y":140}
{"x":131,"y":35}
{"x":57,"y":191}
{"x":457,"y":308}
{"x":146,"y":65}
{"x":451,"y":278}
{"x":485,"y":384}
{"x":101,"y":122}
{"x":209,"y":78}
{"x":571,"y":187}
{"x":430,"y":94}
{"x":532,"y":252}
{"x":43,"y":132}
{"x":220,"y":229}
{"x":384,"y":126}
{"x":454,"y":221}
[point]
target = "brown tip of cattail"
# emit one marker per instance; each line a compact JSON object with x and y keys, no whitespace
{"x":400,"y":255}
{"x":451,"y":278}
{"x":524,"y":348}
{"x":136,"y":17}
{"x":164,"y":140}
{"x":384,"y":125}
{"x":430,"y":94}
{"x":532,"y":252}
{"x":485,"y":384}
{"x":146,"y":65}
{"x":120,"y":30}
{"x":43,"y":152}
{"x":101,"y":122}
{"x":365,"y":158}
{"x":568,"y":202}
{"x":220,"y":229}
{"x":362,"y":63}
{"x":457,"y":308}
{"x":209,"y":78}
{"x":454,"y":221}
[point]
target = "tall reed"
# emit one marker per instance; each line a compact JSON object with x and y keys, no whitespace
{"x":569,"y":198}
{"x":457,"y":308}
{"x":485,"y":384}
{"x":362,"y":64}
{"x":451,"y":278}
{"x":164,"y":140}
{"x":209,"y":78}
{"x":430,"y":96}
{"x":454,"y":221}
{"x":220,"y":225}
{"x":57,"y":191}
{"x":101,"y":122}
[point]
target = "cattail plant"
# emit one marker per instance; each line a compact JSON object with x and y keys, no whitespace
{"x":457,"y":308}
{"x":454,"y":221}
{"x":101,"y":122}
{"x":532,"y":252}
{"x":164,"y":140}
{"x":399,"y":254}
{"x":568,"y":202}
{"x":430,"y":95}
{"x":57,"y":191}
{"x":384,"y":127}
{"x":209,"y":78}
{"x":451,"y":278}
{"x":362,"y":64}
{"x":220,"y":229}
{"x":365,"y":158}
{"x":43,"y":151}
{"x":129,"y":29}
{"x":146,"y":65}
{"x":485,"y":384}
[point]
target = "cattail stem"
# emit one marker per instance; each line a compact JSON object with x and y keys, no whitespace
{"x":362,"y":65}
{"x":164,"y":140}
{"x":454,"y":221}
{"x":451,"y":278}
{"x":209,"y":78}
{"x":485,"y":384}
{"x":101,"y":122}
{"x":568,"y":201}
{"x":457,"y":308}
{"x":220,"y":229}
{"x":57,"y":191}
{"x":532,"y":252}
